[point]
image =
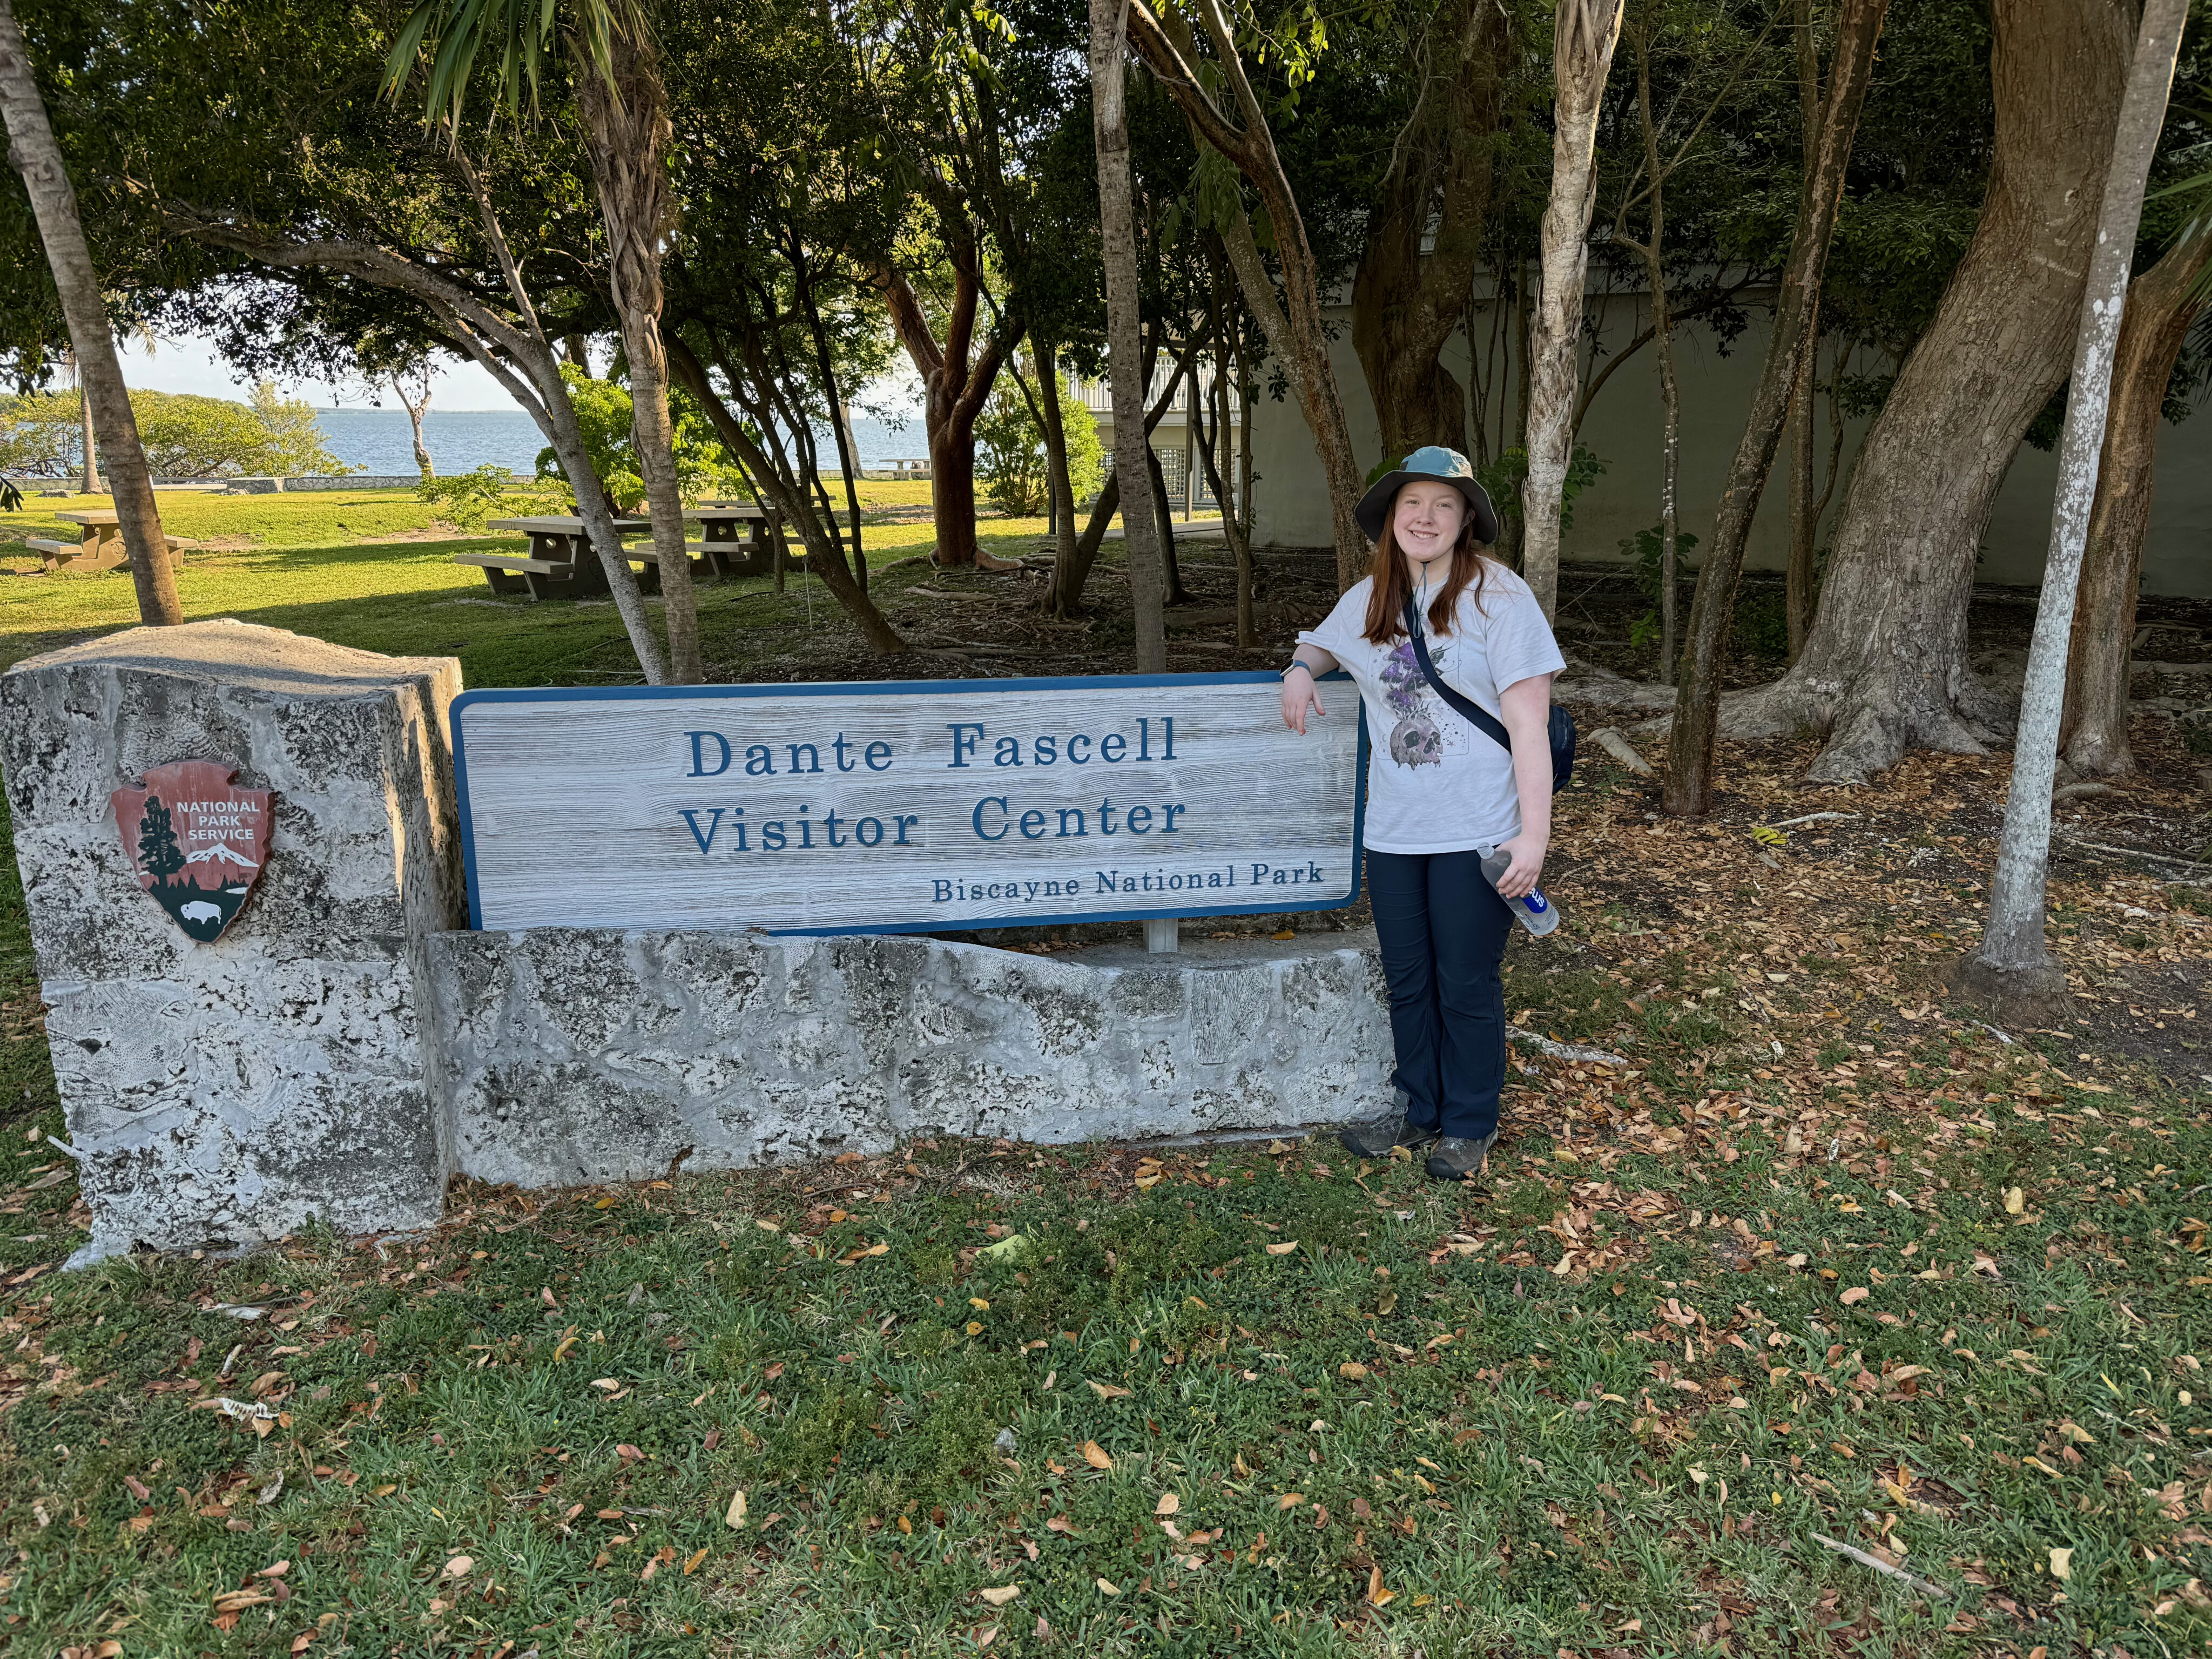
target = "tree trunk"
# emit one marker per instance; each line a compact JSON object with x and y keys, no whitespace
{"x":1654,"y":249}
{"x":627,"y":130}
{"x":1124,"y":352}
{"x":1512,"y":528}
{"x":1216,"y":463}
{"x":1424,"y":233}
{"x":2014,"y":960}
{"x":579,"y":349}
{"x":1057,"y":483}
{"x":1296,"y":329}
{"x":1064,"y":595}
{"x":1689,"y":781}
{"x":1179,"y":385}
{"x":2163,"y":304}
{"x":848,"y":454}
{"x":88,"y":438}
{"x":955,"y":378}
{"x":1804,"y":511}
{"x":1804,"y":517}
{"x":1886,"y":663}
{"x":416,"y":407}
{"x":33,"y":154}
{"x":1163,"y":515}
{"x":1582,"y":58}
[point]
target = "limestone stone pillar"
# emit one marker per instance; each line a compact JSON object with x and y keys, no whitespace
{"x":222,"y":1093}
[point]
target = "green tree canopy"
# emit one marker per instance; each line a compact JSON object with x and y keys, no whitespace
{"x":184,"y":436}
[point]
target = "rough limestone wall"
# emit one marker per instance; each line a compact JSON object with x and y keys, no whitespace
{"x":586,"y":1056}
{"x":225,"y":1093}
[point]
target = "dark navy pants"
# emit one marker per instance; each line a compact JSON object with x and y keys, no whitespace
{"x":1441,"y":928}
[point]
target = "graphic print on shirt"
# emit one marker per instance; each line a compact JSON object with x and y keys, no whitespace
{"x":1415,"y":739}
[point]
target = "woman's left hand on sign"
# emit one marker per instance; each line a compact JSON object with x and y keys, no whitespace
{"x":1527,"y":851}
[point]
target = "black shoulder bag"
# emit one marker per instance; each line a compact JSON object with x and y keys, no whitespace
{"x":1560,"y":729}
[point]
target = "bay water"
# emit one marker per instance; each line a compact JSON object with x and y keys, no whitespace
{"x":379,"y":443}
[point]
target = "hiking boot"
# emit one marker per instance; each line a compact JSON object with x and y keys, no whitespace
{"x":1454,"y":1158}
{"x":1377,"y":1138}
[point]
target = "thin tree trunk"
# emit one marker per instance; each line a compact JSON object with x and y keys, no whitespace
{"x":1804,"y":517}
{"x":1240,"y":546}
{"x":1885,"y":665}
{"x":577,"y":347}
{"x":416,"y":407}
{"x":37,"y":158}
{"x":1236,"y":520}
{"x":627,"y":130}
{"x":2013,"y":961}
{"x":1582,"y":58}
{"x":1512,"y":527}
{"x":1124,"y":352}
{"x":2163,"y":304}
{"x":848,"y":459}
{"x":785,"y":493}
{"x":1058,"y":486}
{"x":1243,"y":439}
{"x":1295,"y":328}
{"x":1689,"y":781}
{"x":1163,"y":516}
{"x":1064,"y":595}
{"x":1654,"y":249}
{"x":86,"y":437}
{"x":1804,"y":509}
{"x":1179,"y":387}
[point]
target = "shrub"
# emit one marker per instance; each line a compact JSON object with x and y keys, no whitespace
{"x":467,"y":501}
{"x":1010,"y":451}
{"x":603,"y":412}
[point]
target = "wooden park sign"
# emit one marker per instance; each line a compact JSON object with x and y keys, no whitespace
{"x":907,"y":807}
{"x":196,"y":840}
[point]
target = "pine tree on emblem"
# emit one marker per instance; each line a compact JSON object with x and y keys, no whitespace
{"x":157,"y":841}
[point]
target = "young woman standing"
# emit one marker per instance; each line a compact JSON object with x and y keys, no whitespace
{"x":1437,"y":788}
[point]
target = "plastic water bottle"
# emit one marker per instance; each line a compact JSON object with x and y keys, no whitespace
{"x":1532,"y":911}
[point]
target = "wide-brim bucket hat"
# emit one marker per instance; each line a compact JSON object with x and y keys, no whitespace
{"x":1440,"y":466}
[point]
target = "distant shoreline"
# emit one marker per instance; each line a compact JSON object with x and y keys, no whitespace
{"x":379,"y":442}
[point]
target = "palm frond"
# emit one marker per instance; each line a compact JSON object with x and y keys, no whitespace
{"x":445,"y":38}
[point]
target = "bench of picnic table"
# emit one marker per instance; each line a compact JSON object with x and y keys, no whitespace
{"x":94,"y":553}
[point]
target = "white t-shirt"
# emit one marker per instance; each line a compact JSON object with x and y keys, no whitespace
{"x":1435,"y":784}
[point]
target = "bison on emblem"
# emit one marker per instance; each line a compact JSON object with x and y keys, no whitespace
{"x":196,"y":841}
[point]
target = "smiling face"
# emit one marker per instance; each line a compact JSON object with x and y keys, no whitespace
{"x":1426,"y":521}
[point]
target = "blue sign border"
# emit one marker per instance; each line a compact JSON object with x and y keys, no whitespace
{"x":905,"y":688}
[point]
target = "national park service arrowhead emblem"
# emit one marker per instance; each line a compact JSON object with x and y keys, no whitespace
{"x":196,"y":841}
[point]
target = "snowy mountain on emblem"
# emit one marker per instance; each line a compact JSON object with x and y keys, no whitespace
{"x":220,"y":850}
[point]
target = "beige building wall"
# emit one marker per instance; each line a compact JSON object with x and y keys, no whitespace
{"x":1290,"y":496}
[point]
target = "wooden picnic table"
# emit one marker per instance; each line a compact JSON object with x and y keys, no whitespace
{"x":737,"y":540}
{"x":721,"y":542}
{"x":99,"y":547}
{"x":560,"y":563}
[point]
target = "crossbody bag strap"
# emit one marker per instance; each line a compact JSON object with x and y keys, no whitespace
{"x":1476,"y":715}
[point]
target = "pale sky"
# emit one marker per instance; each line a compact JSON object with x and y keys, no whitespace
{"x":189,"y":364}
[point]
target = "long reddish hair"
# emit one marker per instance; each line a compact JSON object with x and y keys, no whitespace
{"x":1386,"y":601}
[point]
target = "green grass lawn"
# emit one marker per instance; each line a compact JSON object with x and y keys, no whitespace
{"x":314,"y":563}
{"x":1826,"y":1259}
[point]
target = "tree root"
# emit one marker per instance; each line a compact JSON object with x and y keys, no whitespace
{"x":2036,"y":995}
{"x":1868,"y":727}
